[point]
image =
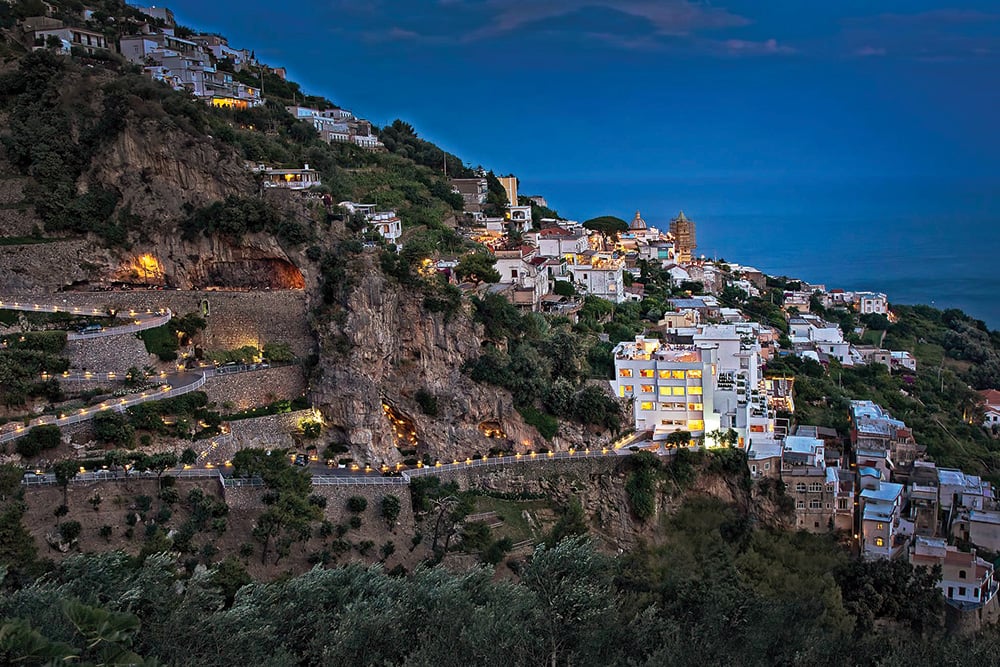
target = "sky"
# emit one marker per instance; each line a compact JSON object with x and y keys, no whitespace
{"x":780,"y":108}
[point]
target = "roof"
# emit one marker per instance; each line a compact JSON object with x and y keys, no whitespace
{"x":886,"y":493}
{"x":680,"y":217}
{"x":984,"y":516}
{"x":870,"y":472}
{"x":992,"y":396}
{"x":877,"y":513}
{"x":764,"y":450}
{"x":802,"y":444}
{"x":637,"y":223}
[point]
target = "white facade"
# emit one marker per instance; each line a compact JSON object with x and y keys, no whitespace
{"x":599,"y":274}
{"x":671,"y":387}
{"x":881,"y":503}
{"x":388,"y":225}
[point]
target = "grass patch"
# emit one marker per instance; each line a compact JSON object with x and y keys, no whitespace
{"x":276,"y":408}
{"x":546,"y":424}
{"x":161,"y":341}
{"x":511,"y":512}
{"x":872,"y":337}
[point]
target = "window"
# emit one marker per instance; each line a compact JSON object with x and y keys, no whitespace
{"x":646,"y":405}
{"x":801,"y":487}
{"x":951,"y":592}
{"x":694,"y":374}
{"x":815,"y":487}
{"x":767,"y":466}
{"x":961,"y":590}
{"x":625,"y":373}
{"x":677,"y":375}
{"x":961,"y":574}
{"x":879,"y":526}
{"x":695,"y":406}
{"x":628,"y":388}
{"x":975,"y":592}
{"x":696,"y":425}
{"x":815,"y":504}
{"x":664,"y":375}
{"x":695,"y":391}
{"x":664,"y":391}
{"x":513,"y":273}
{"x":842,"y":504}
{"x":879,"y":542}
{"x":800,"y":504}
{"x":678,"y":391}
{"x":646,"y":372}
{"x":646,"y":388}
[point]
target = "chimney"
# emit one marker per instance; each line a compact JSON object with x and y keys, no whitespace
{"x":307,"y":165}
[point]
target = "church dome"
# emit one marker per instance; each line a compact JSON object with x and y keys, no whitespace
{"x":638,"y":223}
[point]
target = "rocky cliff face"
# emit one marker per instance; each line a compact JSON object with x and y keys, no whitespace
{"x":368,"y":396}
{"x":158,"y":170}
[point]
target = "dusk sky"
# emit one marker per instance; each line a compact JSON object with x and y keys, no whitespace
{"x":587,"y":97}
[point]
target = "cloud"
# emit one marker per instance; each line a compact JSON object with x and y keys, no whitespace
{"x":868,"y":51}
{"x":665,"y":17}
{"x":740,"y":47}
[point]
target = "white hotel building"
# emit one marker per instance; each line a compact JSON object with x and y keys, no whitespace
{"x":713,"y":383}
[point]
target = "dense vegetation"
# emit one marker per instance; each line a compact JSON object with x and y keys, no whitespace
{"x":23,"y":359}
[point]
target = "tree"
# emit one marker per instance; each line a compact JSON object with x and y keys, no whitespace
{"x":478,"y":267}
{"x":189,"y":457}
{"x":357,"y":504}
{"x":113,"y":428}
{"x":390,"y":508}
{"x":608,"y":226}
{"x":160,"y":463}
{"x":278,"y":352}
{"x":65,"y":471}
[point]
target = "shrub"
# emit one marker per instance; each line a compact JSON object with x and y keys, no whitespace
{"x":357,"y":504}
{"x":355,"y":522}
{"x":427,"y":401}
{"x":390,"y":508}
{"x":546,"y":424}
{"x":70,"y":530}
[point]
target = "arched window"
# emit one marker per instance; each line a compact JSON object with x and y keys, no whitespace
{"x":961,"y":574}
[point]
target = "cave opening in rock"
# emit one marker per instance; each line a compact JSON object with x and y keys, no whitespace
{"x":265,"y":273}
{"x":403,"y":429}
{"x":492,"y":429}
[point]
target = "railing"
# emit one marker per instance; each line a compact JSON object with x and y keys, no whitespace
{"x":504,"y":460}
{"x":86,"y":414}
{"x":147,"y":320}
{"x":119,"y":475}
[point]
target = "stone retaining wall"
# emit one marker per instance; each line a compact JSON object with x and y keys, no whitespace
{"x":110,"y":353}
{"x":525,"y":477}
{"x":270,"y":432}
{"x":236,"y":319}
{"x":248,"y":390}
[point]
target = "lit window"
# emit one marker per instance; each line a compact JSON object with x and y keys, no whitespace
{"x":647,"y":389}
{"x":621,"y":391}
{"x":646,"y":372}
{"x":646,"y":405}
{"x":628,"y":388}
{"x":696,"y":425}
{"x":625,"y":373}
{"x":664,"y":375}
{"x":695,"y":391}
{"x":879,"y":542}
{"x":695,"y":406}
{"x":664,"y":391}
{"x":879,"y":526}
{"x":678,"y":375}
{"x":694,"y":375}
{"x":678,"y":391}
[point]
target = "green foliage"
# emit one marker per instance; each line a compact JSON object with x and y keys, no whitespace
{"x":389,"y":508}
{"x":46,"y":436}
{"x":546,"y":425}
{"x":607,"y":225}
{"x":641,"y":485}
{"x":478,"y":267}
{"x":113,"y":428}
{"x":427,"y":401}
{"x":278,"y":352}
{"x":236,"y":216}
{"x":357,"y":504}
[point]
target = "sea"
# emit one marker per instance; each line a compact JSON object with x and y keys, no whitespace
{"x":919,"y":242}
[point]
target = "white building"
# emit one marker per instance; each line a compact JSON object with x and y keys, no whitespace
{"x":872,"y":302}
{"x":557,"y":241}
{"x":599,"y":274}
{"x":966,"y":579}
{"x":388,"y":225}
{"x":880,"y":504}
{"x":671,"y":387}
{"x":525,"y":269}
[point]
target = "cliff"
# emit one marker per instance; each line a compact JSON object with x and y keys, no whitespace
{"x":396,"y":348}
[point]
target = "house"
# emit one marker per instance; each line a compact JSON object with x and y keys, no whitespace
{"x":388,"y":225}
{"x":875,"y":431}
{"x":924,"y":499}
{"x":525,"y":269}
{"x":880,"y":506}
{"x":871,"y":303}
{"x":473,"y":191}
{"x":679,"y":320}
{"x":699,"y":304}
{"x":556,"y":241}
{"x":903,"y":359}
{"x":598,"y":273}
{"x":70,"y":38}
{"x":991,"y":408}
{"x":984,"y":529}
{"x":289,"y":179}
{"x":764,"y":457}
{"x":804,"y":472}
{"x":520,"y":218}
{"x":966,"y":579}
{"x":671,"y":387}
{"x":959,"y":490}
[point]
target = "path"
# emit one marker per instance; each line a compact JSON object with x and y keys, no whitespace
{"x":139,"y":320}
